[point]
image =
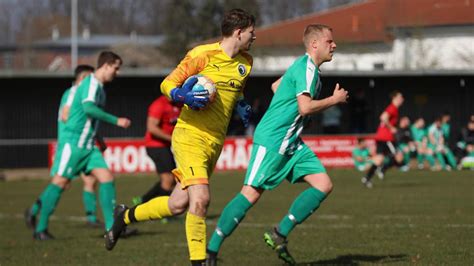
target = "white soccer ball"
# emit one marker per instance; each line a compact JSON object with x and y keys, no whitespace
{"x":205,"y":83}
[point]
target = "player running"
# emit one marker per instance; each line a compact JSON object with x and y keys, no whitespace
{"x":77,"y":152}
{"x":198,"y":136}
{"x":279,"y":154}
{"x":88,"y":194}
{"x":385,"y":139}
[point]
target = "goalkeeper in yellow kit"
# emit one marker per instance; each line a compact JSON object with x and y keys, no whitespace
{"x":200,"y":131}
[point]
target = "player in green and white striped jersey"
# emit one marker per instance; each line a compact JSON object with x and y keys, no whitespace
{"x":420,"y":136}
{"x":89,"y":199}
{"x":278,"y":152}
{"x":76,"y":151}
{"x":437,"y":143}
{"x":88,"y":193}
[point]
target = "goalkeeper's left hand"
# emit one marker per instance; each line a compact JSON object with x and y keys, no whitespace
{"x":245,"y":111}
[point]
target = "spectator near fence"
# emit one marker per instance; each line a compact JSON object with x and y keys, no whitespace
{"x":420,"y":137}
{"x":361,"y":155}
{"x":437,"y":143}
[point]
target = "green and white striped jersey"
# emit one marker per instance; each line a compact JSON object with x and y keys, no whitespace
{"x":436,"y":132}
{"x":80,"y":128}
{"x":282,"y":124}
{"x":66,"y":100}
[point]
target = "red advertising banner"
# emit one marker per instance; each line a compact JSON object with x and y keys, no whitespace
{"x":334,"y":151}
{"x":129,"y":156}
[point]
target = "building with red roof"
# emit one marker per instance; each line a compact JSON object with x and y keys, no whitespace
{"x":379,"y":34}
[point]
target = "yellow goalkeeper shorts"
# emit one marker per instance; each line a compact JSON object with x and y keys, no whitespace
{"x":195,"y":156}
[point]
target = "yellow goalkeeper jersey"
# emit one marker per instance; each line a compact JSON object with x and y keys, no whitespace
{"x":229,"y":75}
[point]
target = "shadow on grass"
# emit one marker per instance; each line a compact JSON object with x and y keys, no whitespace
{"x":355,"y":259}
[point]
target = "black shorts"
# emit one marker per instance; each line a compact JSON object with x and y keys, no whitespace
{"x":163,"y":159}
{"x":386,"y":147}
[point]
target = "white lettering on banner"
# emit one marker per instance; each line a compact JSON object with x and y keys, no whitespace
{"x":337,"y":161}
{"x":345,"y":148}
{"x":130,"y":159}
{"x":322,"y":149}
{"x":130,"y":155}
{"x":225,"y":159}
{"x":311,"y":143}
{"x":146,"y":163}
{"x":112,"y":157}
{"x":241,"y":159}
{"x":335,"y":142}
{"x":234,"y":155}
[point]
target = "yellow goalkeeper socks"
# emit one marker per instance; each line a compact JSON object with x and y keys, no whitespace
{"x":196,"y":236}
{"x":154,"y":209}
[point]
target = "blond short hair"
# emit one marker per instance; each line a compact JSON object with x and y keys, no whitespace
{"x":313,"y":30}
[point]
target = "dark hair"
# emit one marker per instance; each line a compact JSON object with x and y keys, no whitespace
{"x":394,"y":94}
{"x":360,"y":140}
{"x":419,"y":117}
{"x":108,"y":57}
{"x":236,"y":19}
{"x":82,"y":68}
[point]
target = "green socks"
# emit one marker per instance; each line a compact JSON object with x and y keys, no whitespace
{"x":232,"y":214}
{"x":35,"y":208}
{"x":441,"y":160}
{"x":430,"y":160}
{"x":49,"y":199}
{"x":406,"y":158}
{"x":303,"y":206}
{"x":420,"y":158}
{"x":107,"y":202}
{"x":451,"y":159}
{"x":90,"y":206}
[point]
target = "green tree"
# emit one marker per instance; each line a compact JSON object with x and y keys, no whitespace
{"x":187,"y":22}
{"x":179,"y":27}
{"x":208,"y":19}
{"x":251,"y":6}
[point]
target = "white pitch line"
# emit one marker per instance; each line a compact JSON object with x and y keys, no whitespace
{"x":346,"y":225}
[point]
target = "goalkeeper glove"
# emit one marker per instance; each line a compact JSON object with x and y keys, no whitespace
{"x":194,"y":99}
{"x":244,"y":110}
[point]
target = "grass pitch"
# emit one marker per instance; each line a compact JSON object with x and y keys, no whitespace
{"x":418,"y":217}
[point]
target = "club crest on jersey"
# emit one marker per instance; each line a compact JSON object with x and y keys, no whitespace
{"x":242,"y":70}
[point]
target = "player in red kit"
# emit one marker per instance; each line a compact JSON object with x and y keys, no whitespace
{"x":385,"y":139}
{"x":162,"y":117}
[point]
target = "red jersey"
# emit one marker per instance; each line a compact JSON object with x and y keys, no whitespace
{"x":163,"y":110}
{"x":383,"y":132}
